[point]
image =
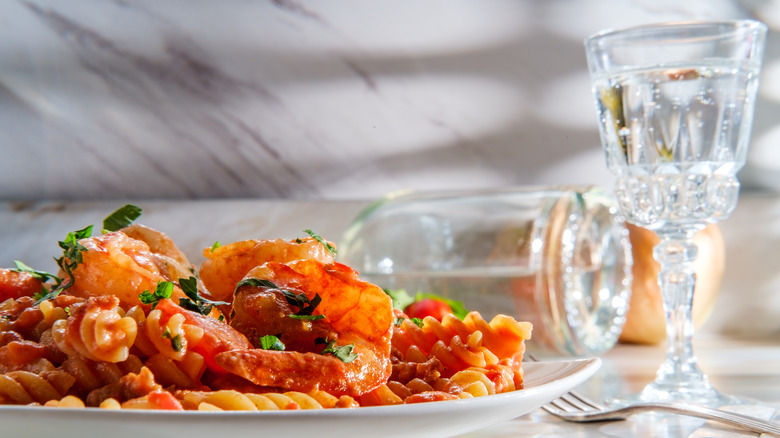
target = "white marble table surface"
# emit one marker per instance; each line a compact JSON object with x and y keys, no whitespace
{"x":738,"y":348}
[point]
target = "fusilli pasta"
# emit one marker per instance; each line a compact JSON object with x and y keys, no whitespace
{"x":90,"y":346}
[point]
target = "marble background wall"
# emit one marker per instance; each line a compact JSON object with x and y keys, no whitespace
{"x":342,"y":99}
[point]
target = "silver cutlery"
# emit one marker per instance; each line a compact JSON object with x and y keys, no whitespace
{"x":577,"y":408}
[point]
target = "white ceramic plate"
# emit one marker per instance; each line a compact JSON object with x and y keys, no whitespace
{"x":544,"y":381}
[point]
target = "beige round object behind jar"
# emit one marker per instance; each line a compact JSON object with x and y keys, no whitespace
{"x":645,"y":322}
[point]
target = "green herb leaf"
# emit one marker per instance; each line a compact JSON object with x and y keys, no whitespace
{"x":189,"y":286}
{"x":45,"y":295}
{"x":307,"y":317}
{"x":257,"y":282}
{"x":70,"y":259}
{"x":39,"y":275}
{"x":194,"y":301}
{"x":331,"y":249}
{"x":305,"y":305}
{"x":163,"y":290}
{"x":176,"y":342}
{"x":123,"y":217}
{"x":215,"y":245}
{"x":401,"y":298}
{"x":42,"y":296}
{"x":343,"y":352}
{"x":271,"y":342}
{"x":417,"y":321}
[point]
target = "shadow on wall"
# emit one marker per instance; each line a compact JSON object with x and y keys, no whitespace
{"x":302,"y":99}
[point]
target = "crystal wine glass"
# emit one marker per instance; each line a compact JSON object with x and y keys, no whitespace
{"x":675,"y":104}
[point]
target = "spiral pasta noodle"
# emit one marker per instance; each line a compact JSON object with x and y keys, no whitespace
{"x":502,"y":336}
{"x":231,"y":400}
{"x":167,"y":337}
{"x":184,"y":373}
{"x":487,"y":381}
{"x":171,"y":338}
{"x":90,"y":375}
{"x":458,"y":345}
{"x":96,"y":330}
{"x":25,"y":387}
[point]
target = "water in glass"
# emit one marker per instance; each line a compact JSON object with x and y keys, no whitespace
{"x":676,"y":136}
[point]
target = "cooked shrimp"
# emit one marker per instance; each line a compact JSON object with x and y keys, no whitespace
{"x":115,"y":264}
{"x":226,"y":265}
{"x":165,"y":254}
{"x":357,"y":315}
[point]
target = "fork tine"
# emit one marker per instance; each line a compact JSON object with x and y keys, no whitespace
{"x":570,"y":401}
{"x":585,"y":401}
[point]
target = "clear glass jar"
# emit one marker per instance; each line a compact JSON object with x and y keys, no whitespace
{"x":558,"y":257}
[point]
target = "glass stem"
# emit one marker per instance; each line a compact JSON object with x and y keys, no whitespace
{"x":679,"y":373}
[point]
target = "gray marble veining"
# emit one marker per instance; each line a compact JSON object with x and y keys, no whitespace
{"x":316,"y":100}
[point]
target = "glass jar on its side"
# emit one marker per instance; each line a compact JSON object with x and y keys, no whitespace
{"x":558,"y":257}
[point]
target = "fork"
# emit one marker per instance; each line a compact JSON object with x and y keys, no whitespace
{"x":577,"y":408}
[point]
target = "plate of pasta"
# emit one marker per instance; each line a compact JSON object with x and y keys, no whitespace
{"x":266,"y":336}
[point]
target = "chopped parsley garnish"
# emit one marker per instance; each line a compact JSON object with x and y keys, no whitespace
{"x":121,"y":218}
{"x":71,"y":257}
{"x":343,"y":352}
{"x":305,"y":305}
{"x":38,"y":275}
{"x":215,"y":246}
{"x":163,"y":290}
{"x":176,"y":342}
{"x":271,"y":342}
{"x":256,"y":282}
{"x":331,"y":249}
{"x":41,"y":276}
{"x":44,"y":295}
{"x":417,"y":321}
{"x":307,"y":317}
{"x":194,"y":301}
{"x":72,"y":249}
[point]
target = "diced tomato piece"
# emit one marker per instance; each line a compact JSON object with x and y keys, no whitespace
{"x":428,"y":307}
{"x":165,"y":400}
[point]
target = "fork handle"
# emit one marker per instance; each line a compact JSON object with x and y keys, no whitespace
{"x":744,"y":422}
